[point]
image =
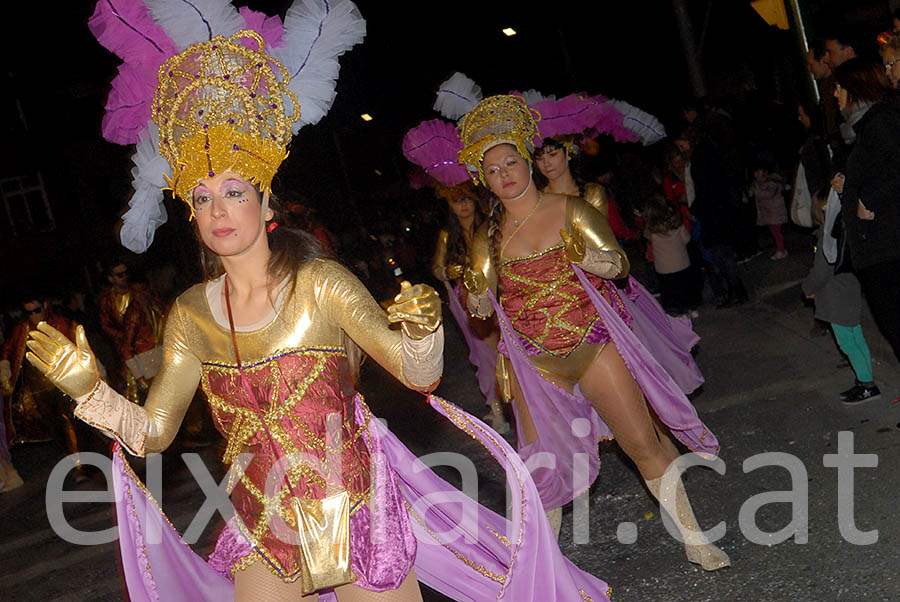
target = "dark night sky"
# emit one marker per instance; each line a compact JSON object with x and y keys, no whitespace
{"x":625,"y":49}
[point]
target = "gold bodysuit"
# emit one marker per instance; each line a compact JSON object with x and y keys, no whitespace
{"x":604,"y":257}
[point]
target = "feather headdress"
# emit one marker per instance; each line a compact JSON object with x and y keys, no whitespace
{"x":203,"y":79}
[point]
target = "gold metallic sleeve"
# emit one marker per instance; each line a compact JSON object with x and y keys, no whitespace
{"x":480,"y":262}
{"x":596,"y":197}
{"x":346,"y":302}
{"x":174,"y":385}
{"x":439,"y":263}
{"x":481,"y":275}
{"x":598,"y":236}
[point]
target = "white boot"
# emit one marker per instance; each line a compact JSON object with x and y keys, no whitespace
{"x":497,"y":419}
{"x":9,"y":478}
{"x":555,"y":518}
{"x":707,"y":555}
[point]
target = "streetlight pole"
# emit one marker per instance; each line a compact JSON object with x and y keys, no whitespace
{"x":690,"y":48}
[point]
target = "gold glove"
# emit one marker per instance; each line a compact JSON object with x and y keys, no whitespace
{"x":417,"y":308}
{"x":454,"y":271}
{"x":575,"y":247}
{"x":72,"y":367}
{"x":475,"y":282}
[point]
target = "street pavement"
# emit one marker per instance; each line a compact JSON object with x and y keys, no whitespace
{"x":771,"y":388}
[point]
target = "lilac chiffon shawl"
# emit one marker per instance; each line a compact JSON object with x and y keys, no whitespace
{"x":480,"y":353}
{"x":464,"y":550}
{"x":563,"y":458}
{"x":668,"y":338}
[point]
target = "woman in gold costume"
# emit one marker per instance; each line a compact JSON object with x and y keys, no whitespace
{"x":544,"y":255}
{"x":271,"y":337}
{"x":450,"y":257}
{"x":327,"y":503}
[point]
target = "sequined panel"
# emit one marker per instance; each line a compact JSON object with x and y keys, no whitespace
{"x":305,"y":400}
{"x":547,"y":305}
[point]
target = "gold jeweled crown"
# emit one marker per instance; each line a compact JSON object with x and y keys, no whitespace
{"x":220,"y":106}
{"x":501,"y":119}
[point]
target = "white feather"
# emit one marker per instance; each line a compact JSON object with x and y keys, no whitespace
{"x":190,"y":21}
{"x":146,"y":210}
{"x":647,"y":127}
{"x":532,"y":97}
{"x":316,"y":33}
{"x":457,"y":96}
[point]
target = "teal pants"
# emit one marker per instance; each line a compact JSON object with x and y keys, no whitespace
{"x":851,"y":341}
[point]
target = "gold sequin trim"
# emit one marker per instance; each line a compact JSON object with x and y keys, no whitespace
{"x":503,"y":539}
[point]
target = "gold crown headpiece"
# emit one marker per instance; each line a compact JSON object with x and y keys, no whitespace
{"x":501,"y":119}
{"x":220,"y":106}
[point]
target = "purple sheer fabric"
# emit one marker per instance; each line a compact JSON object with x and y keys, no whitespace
{"x":669,"y":339}
{"x":480,"y":353}
{"x":662,"y":393}
{"x":563,"y":459}
{"x":465,"y":551}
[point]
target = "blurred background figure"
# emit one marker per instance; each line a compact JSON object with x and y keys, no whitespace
{"x":131,"y":317}
{"x":38,"y":411}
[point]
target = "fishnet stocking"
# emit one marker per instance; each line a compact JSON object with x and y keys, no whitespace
{"x":257,"y":584}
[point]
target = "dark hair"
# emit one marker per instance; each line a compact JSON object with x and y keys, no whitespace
{"x":457,"y":249}
{"x":110,"y":262}
{"x":541,"y":181}
{"x":659,"y":215}
{"x":865,"y":80}
{"x":818,"y":48}
{"x":848,"y":36}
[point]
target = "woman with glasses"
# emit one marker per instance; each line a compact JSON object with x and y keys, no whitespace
{"x":889,"y":48}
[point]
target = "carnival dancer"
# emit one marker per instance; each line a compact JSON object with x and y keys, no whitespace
{"x":37,"y":410}
{"x":449,"y":264}
{"x":433,"y":145}
{"x":132,"y":319}
{"x":550,"y":258}
{"x":579,"y":115}
{"x":669,"y":338}
{"x":272,"y":337}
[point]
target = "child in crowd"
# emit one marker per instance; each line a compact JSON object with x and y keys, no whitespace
{"x":678,"y":283}
{"x":838,"y":299}
{"x":770,"y":208}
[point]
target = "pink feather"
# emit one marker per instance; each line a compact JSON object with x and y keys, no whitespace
{"x":434,"y":145}
{"x":610,"y":121}
{"x":126,"y":28}
{"x":270,"y":28}
{"x":128,"y":103}
{"x":570,"y":115}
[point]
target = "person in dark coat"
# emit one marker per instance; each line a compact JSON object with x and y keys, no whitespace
{"x":870,"y":188}
{"x":718,"y":186}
